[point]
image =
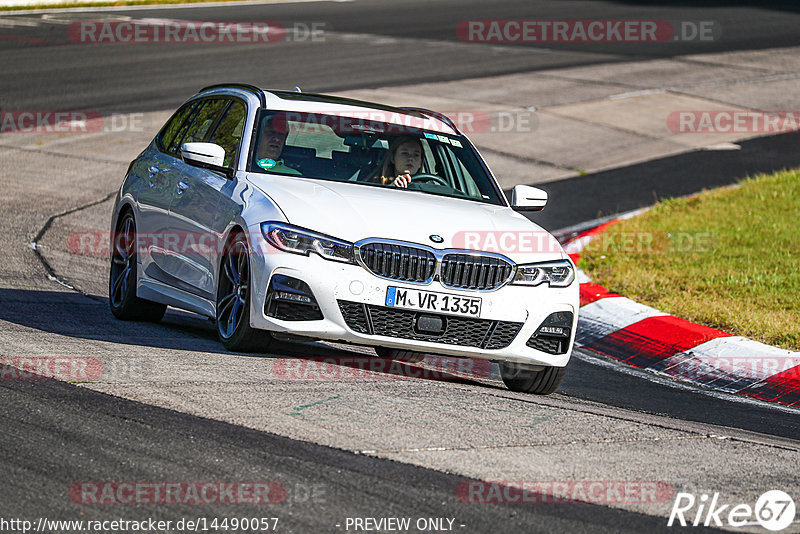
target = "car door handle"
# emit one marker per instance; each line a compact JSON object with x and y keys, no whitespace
{"x":182,"y":186}
{"x":152,"y":171}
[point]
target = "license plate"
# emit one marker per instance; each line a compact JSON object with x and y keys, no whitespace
{"x":414,"y":299}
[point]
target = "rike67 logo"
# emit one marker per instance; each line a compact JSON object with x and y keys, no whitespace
{"x":774,"y":510}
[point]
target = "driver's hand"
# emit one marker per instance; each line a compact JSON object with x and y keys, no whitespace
{"x":402,"y":180}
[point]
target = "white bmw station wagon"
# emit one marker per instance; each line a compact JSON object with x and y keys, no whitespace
{"x":280,"y":213}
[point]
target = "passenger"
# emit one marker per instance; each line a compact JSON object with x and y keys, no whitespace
{"x":270,"y":147}
{"x":404,"y":159}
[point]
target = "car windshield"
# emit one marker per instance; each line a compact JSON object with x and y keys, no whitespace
{"x":372,"y":153}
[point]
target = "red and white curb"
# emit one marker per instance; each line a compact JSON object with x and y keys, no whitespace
{"x":643,"y":337}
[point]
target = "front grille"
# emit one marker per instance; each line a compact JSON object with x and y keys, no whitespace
{"x":548,"y":344}
{"x":398,"y":262}
{"x":469,"y":271}
{"x":463,"y":331}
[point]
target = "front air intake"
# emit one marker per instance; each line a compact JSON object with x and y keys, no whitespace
{"x":553,"y":334}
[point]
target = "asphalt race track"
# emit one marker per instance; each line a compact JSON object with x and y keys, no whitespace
{"x":179,"y":408}
{"x":363,"y":39}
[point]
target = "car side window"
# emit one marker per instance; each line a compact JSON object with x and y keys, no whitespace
{"x":228,"y":134}
{"x":167,"y":134}
{"x":173,"y":147}
{"x":200,"y":125}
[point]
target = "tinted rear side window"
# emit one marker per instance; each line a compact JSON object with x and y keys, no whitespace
{"x":174,"y":145}
{"x":171,"y":129}
{"x":203,"y":121}
{"x":228,"y":134}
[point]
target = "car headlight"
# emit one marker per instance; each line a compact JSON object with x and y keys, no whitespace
{"x":301,"y":241}
{"x":554,"y":273}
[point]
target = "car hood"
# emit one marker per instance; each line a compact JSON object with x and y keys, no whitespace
{"x":354,"y":212}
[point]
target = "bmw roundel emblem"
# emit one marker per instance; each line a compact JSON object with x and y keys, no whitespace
{"x":437,"y":238}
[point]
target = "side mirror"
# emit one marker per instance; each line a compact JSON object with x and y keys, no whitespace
{"x":527,"y":198}
{"x":206,"y":156}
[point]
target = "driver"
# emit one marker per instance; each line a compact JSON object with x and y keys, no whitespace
{"x":270,"y":147}
{"x":403,"y":160}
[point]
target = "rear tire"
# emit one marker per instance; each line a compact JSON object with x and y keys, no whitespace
{"x":122,"y":299}
{"x":518,"y":377}
{"x":233,"y":300}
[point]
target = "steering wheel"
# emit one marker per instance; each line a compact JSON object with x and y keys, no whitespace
{"x":425,"y":178}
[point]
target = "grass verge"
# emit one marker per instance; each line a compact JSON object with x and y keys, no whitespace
{"x":119,"y":3}
{"x":728,"y":258}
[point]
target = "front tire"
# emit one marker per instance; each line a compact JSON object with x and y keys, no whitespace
{"x":122,"y":299}
{"x":520,"y":378}
{"x":233,"y":300}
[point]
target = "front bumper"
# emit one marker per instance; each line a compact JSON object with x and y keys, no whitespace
{"x":508,"y":317}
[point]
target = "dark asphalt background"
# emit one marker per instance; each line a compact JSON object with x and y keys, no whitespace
{"x":60,"y":74}
{"x":63,"y":434}
{"x":56,"y":434}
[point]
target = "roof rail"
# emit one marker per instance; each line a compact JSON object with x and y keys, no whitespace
{"x":435,"y":114}
{"x":245,"y":86}
{"x":317,"y":97}
{"x":293,"y":95}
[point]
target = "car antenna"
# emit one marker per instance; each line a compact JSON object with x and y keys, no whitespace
{"x":297,"y":89}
